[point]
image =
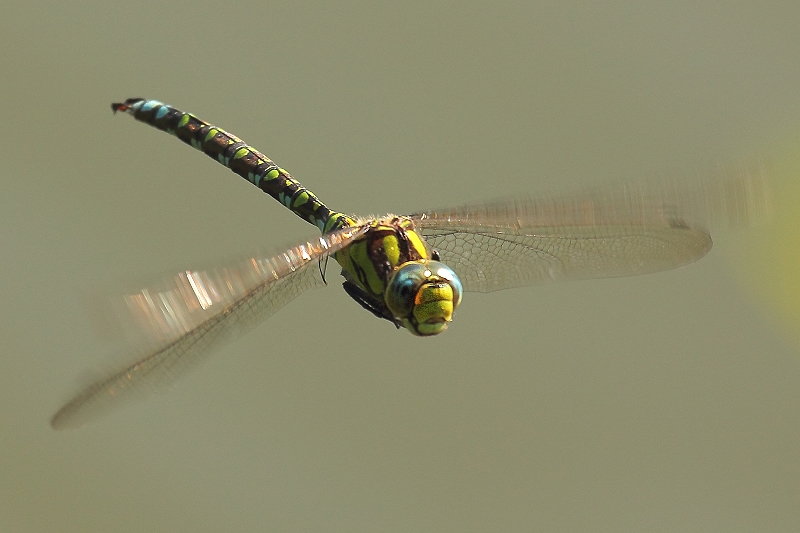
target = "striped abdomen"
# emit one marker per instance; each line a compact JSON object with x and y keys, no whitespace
{"x":237,"y":155}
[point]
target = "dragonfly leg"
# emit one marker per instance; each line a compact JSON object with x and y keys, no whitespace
{"x":366,"y":301}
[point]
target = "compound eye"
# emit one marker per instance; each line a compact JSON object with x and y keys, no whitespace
{"x":402,"y":288}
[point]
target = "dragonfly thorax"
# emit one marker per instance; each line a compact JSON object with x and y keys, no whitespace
{"x":390,"y":271}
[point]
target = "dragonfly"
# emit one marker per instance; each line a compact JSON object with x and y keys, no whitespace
{"x":410,"y":270}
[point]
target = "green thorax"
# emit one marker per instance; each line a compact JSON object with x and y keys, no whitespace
{"x":368,"y":263}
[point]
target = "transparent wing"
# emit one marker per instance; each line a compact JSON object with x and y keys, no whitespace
{"x":596,"y":233}
{"x":197,"y":310}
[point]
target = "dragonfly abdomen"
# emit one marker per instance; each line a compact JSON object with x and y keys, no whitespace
{"x":240,"y":157}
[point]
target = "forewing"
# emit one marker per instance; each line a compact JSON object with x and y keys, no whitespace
{"x":196,"y":311}
{"x":596,"y":233}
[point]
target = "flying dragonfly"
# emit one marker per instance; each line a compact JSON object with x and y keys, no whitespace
{"x":410,"y":270}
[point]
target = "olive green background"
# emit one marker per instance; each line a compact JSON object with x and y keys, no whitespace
{"x":667,"y":403}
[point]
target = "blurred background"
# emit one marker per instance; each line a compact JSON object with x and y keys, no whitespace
{"x":666,"y":402}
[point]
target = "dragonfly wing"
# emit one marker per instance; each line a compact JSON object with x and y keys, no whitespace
{"x":596,"y":233}
{"x":198,"y":310}
{"x":491,"y":259}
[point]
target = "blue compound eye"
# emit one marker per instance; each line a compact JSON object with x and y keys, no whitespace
{"x":403,"y":292}
{"x":402,"y":288}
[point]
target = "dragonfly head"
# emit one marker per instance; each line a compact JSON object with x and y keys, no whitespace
{"x":422,"y":296}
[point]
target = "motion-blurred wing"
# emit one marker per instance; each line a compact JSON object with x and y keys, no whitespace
{"x":597,"y":233}
{"x":196,"y":310}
